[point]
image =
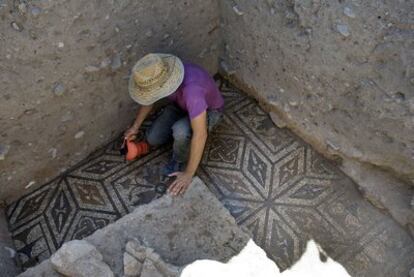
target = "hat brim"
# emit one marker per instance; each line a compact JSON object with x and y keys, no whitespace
{"x":174,"y":80}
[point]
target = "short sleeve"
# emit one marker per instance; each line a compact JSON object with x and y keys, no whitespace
{"x":195,"y":100}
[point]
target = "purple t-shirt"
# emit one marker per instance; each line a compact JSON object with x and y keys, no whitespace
{"x":198,"y":92}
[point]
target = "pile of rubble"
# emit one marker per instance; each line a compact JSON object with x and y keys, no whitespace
{"x":80,"y":258}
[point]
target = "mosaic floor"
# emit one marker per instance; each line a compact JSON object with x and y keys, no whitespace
{"x":274,"y":184}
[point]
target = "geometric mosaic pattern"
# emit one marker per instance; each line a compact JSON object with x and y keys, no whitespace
{"x":93,"y":194}
{"x":284,"y":193}
{"x":275,"y":185}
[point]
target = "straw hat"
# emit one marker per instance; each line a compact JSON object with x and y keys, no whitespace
{"x":155,"y":76}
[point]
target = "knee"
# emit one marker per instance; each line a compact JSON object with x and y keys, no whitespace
{"x":152,"y":138}
{"x":181,"y":131}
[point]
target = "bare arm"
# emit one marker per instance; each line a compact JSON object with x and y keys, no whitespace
{"x":142,"y":113}
{"x":198,"y":141}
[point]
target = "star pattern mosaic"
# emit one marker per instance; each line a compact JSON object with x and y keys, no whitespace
{"x":275,"y":185}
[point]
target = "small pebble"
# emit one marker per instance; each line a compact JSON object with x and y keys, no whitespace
{"x":330,"y":107}
{"x":148,"y":34}
{"x":349,"y":12}
{"x":58,"y":89}
{"x":32,"y":34}
{"x":332,"y":145}
{"x":31,"y":183}
{"x":61,"y":45}
{"x":277,"y":120}
{"x":343,"y":29}
{"x":272,"y":98}
{"x":4,"y":149}
{"x":116,"y":61}
{"x":202,"y":53}
{"x":17,"y":26}
{"x":227,"y":70}
{"x":35,"y":11}
{"x":91,"y":68}
{"x":30,"y":111}
{"x":105,"y":63}
{"x":68,"y":116}
{"x":399,"y":97}
{"x":79,"y":134}
{"x":53,"y":152}
{"x":22,"y":8}
{"x":237,"y":10}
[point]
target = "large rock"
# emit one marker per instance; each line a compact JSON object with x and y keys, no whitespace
{"x":180,"y":230}
{"x":80,"y":259}
{"x":384,"y":191}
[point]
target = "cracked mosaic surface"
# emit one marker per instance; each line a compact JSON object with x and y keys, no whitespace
{"x":275,"y":186}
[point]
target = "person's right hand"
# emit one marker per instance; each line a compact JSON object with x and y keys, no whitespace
{"x":131,"y":133}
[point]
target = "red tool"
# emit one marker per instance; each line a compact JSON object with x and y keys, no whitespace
{"x":135,"y":149}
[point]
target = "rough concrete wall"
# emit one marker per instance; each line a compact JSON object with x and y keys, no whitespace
{"x":64,"y":68}
{"x":341,"y":73}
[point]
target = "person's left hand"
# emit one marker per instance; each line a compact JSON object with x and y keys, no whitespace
{"x":181,"y":183}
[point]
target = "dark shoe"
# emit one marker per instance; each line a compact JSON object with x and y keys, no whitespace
{"x":171,"y":167}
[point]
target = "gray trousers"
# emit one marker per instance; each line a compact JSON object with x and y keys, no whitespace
{"x":174,"y":123}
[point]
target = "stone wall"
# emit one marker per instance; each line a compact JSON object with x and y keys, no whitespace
{"x":340,"y":73}
{"x":64,"y":68}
